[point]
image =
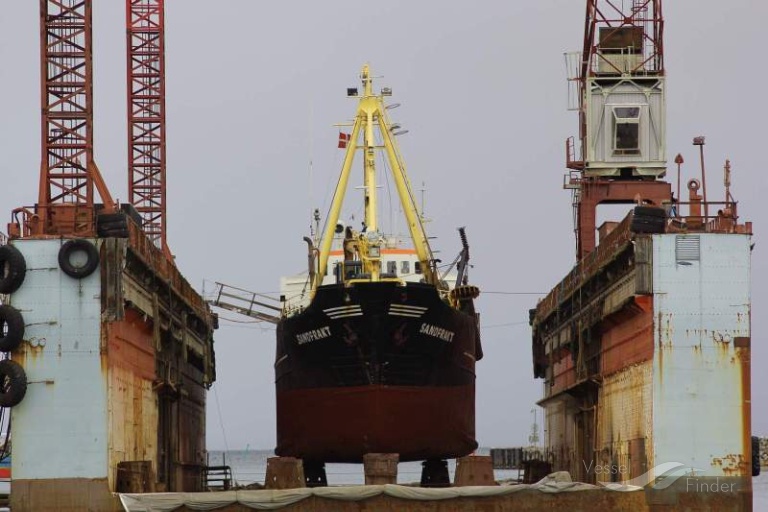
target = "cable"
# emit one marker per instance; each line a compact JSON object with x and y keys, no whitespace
{"x":514,"y":293}
{"x":221,"y":421}
{"x":509,"y":324}
{"x":240,"y":321}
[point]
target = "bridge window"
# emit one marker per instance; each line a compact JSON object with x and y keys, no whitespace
{"x":391,"y":267}
{"x":626,"y":130}
{"x":405,"y":267}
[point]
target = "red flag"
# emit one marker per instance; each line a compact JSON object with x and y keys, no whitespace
{"x":343,"y":139}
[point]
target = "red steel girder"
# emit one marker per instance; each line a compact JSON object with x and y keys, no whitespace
{"x":68,"y":173}
{"x":146,"y":114}
{"x":67,"y":104}
{"x":615,"y":14}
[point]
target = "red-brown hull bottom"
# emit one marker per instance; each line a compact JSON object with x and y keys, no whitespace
{"x":344,"y":423}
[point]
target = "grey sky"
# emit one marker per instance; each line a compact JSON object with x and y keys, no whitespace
{"x":252,"y":85}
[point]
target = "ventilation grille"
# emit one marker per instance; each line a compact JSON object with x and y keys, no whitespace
{"x":688,"y":248}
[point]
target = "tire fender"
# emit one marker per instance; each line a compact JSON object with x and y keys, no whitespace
{"x":12,"y":323}
{"x":13,"y":269}
{"x":78,"y":245}
{"x":14,"y":380}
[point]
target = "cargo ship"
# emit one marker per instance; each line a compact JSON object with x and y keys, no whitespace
{"x":378,"y":355}
{"x":644,"y":346}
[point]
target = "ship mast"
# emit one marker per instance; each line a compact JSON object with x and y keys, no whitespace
{"x":369,"y":143}
{"x":371,"y":113}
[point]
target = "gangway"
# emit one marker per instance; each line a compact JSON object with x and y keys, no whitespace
{"x":246,"y":303}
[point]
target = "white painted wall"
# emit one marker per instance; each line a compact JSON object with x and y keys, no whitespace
{"x":700,"y":307}
{"x":60,"y":428}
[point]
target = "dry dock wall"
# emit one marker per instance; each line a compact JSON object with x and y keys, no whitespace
{"x":534,"y":501}
{"x":646,"y":352}
{"x":701,"y":386}
{"x":116,"y":363}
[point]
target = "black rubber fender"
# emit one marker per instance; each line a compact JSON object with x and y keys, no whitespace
{"x":755,"y":456}
{"x":78,"y":245}
{"x":13,"y":269}
{"x":13,"y":383}
{"x":11,"y":328}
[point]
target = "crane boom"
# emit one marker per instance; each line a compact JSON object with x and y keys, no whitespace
{"x":145,"y":21}
{"x":68,"y":173}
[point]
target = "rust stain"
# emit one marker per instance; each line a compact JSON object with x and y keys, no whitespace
{"x":627,"y":343}
{"x":131,"y":346}
{"x":734,"y":464}
{"x":661,"y":351}
{"x":30,"y":350}
{"x":742,"y":342}
{"x":744,"y":354}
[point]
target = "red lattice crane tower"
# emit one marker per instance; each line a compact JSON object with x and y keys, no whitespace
{"x":614,"y":30}
{"x":68,"y":173}
{"x":146,"y":115}
{"x":618,"y":78}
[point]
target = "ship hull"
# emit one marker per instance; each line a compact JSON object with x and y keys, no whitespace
{"x":379,"y":367}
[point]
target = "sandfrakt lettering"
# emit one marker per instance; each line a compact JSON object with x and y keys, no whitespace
{"x":436,"y":332}
{"x":313,"y":335}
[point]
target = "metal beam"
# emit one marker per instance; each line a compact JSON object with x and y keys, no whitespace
{"x":146,"y":115}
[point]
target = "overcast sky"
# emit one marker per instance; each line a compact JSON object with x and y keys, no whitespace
{"x":254,"y":89}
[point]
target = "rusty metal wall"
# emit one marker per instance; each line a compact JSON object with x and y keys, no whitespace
{"x":701,"y":366}
{"x":133,"y":411}
{"x":560,"y":433}
{"x":624,"y":424}
{"x":628,"y":338}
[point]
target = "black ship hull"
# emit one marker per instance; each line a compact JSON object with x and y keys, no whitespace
{"x":376,"y":368}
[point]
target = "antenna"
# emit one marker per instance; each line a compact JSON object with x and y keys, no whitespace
{"x":533,"y":438}
{"x":727,"y":182}
{"x":423,"y":191}
{"x":699,"y":141}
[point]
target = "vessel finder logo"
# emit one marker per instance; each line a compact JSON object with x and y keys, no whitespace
{"x":658,"y":478}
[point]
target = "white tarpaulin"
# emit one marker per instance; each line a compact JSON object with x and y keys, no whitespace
{"x":277,"y":499}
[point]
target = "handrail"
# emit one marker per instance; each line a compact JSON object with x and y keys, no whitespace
{"x":724,"y":221}
{"x":244,"y":302}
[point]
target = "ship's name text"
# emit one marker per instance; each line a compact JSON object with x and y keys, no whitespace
{"x":437,"y":332}
{"x":313,"y":335}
